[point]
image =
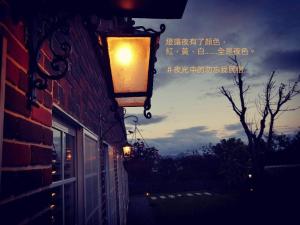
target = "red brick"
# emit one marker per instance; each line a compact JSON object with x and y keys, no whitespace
{"x":49,"y":87}
{"x":15,"y":154}
{"x":55,"y":91}
{"x":17,"y":29}
{"x":40,"y":155}
{"x":47,"y":100}
{"x":42,"y":115}
{"x":17,"y":53}
{"x":16,"y":101}
{"x":61,"y":95}
{"x":47,"y":176}
{"x":23,"y":81}
{"x":12,"y":72}
{"x":47,"y":136}
{"x":23,"y":130}
{"x":44,"y":98}
{"x":15,"y":182}
{"x":37,"y":202}
{"x":39,"y":96}
{"x":46,"y":51}
{"x":41,"y":61}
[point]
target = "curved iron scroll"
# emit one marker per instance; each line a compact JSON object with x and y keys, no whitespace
{"x":147,"y":107}
{"x":150,"y":30}
{"x":42,"y":32}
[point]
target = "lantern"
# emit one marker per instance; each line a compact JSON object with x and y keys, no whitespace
{"x":129,"y":58}
{"x":127,"y":149}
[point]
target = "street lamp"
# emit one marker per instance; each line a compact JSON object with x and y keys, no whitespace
{"x":127,"y":150}
{"x":129,"y":57}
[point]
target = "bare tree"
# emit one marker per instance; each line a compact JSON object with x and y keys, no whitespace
{"x":276,"y":106}
{"x":270,"y":105}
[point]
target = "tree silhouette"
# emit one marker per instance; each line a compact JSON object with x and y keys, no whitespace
{"x":269,"y":105}
{"x":233,"y":158}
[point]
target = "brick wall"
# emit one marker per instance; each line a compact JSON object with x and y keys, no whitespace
{"x":27,"y":134}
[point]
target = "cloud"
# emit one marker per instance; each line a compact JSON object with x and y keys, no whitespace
{"x":285,"y":60}
{"x":214,"y":94}
{"x":182,"y":140}
{"x":236,"y":130}
{"x":233,"y":127}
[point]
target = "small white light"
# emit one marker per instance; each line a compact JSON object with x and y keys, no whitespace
{"x":250,"y":175}
{"x":124,"y":55}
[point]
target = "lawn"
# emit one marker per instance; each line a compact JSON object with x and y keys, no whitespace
{"x":195,"y":209}
{"x":223,"y":209}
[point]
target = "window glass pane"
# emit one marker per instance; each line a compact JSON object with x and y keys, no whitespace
{"x":56,"y":206}
{"x":90,"y":156}
{"x":56,"y":155}
{"x":91,"y":174}
{"x":69,"y":165}
{"x":63,"y":197}
{"x":70,"y":204}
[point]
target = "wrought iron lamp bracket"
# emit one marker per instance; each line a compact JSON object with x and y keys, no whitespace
{"x":50,"y":32}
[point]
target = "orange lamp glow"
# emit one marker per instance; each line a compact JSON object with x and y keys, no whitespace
{"x":127,"y":150}
{"x":129,"y":62}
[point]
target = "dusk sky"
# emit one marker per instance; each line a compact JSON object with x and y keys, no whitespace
{"x":187,"y":109}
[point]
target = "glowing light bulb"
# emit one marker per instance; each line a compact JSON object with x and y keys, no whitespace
{"x":124,"y":55}
{"x":127,"y":150}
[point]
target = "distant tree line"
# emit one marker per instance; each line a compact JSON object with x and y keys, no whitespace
{"x":225,"y":165}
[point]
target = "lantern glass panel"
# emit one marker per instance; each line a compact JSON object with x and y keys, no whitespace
{"x":127,"y":150}
{"x":129,"y":62}
{"x":131,"y":101}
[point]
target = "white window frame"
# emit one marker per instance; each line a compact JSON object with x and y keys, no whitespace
{"x":65,"y":128}
{"x":95,"y":138}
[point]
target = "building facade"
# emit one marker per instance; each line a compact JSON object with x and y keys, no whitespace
{"x":60,"y":163}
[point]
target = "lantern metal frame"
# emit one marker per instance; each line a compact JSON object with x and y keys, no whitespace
{"x":132,"y":31}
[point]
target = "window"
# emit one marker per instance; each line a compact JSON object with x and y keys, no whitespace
{"x":63,"y":192}
{"x":112,"y":187}
{"x":91,"y":179}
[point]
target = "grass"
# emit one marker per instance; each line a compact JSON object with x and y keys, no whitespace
{"x":233,"y":209}
{"x":195,"y":209}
